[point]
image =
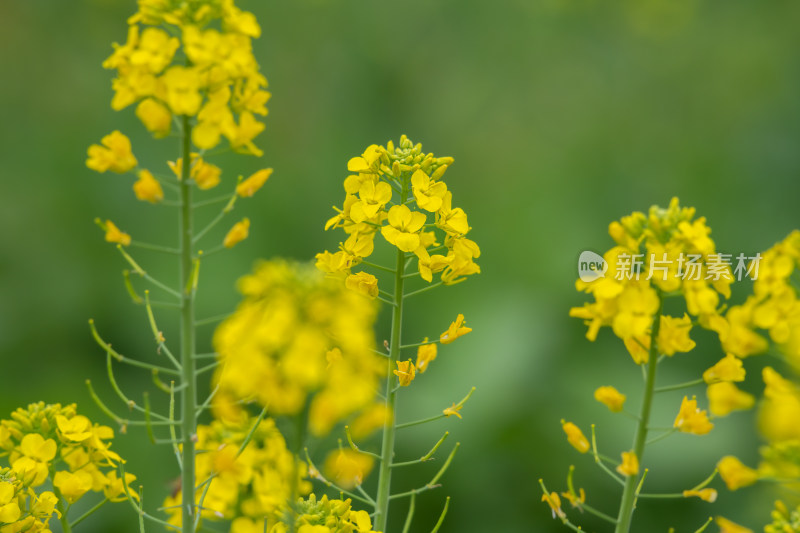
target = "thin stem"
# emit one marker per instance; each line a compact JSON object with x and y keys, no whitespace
{"x":410,"y":515}
{"x":187,"y":332}
{"x":424,"y":289}
{"x":155,"y":247}
{"x":389,"y":428}
{"x":441,"y":517}
{"x":65,"y":526}
{"x":628,"y":501}
{"x":379,"y":267}
{"x":679,"y":386}
{"x":88,"y":513}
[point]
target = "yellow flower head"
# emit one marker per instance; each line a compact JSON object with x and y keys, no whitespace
{"x":251,"y":185}
{"x":708,"y":495}
{"x":405,"y":372}
{"x":274,"y":349}
{"x":73,"y":485}
{"x":725,"y":397}
{"x":425,"y":355}
{"x":554,"y":502}
{"x":457,"y":329}
{"x":575,"y":436}
{"x":237,"y":233}
{"x":630,"y":464}
{"x":347,"y":468}
{"x":729,"y":368}
{"x":673,"y":335}
{"x":391,"y":190}
{"x":735,"y":474}
{"x":726,"y":526}
{"x":307,"y":515}
{"x":147,"y":188}
{"x":113,"y":234}
{"x":364,"y":283}
{"x":155,"y":116}
{"x":453,"y":410}
{"x":114,"y":154}
{"x":610,"y":397}
{"x":691,"y":419}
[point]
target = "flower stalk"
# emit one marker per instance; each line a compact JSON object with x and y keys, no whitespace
{"x":629,"y":492}
{"x":187,"y":333}
{"x":387,"y":446}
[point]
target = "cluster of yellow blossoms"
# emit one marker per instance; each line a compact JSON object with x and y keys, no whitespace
{"x":208,"y":72}
{"x":299,"y":339}
{"x":387,"y":181}
{"x":54,"y":443}
{"x":249,"y":484}
{"x":676,"y":255}
{"x":323,"y":516}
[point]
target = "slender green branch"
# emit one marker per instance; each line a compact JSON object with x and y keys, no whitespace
{"x":664,"y":435}
{"x":428,"y":456}
{"x":186,"y":239}
{"x":389,"y":428}
{"x":379,"y":267}
{"x":598,"y":460}
{"x":88,"y":513}
{"x":424,"y":289}
{"x":599,"y":514}
{"x":417,"y":344}
{"x":441,"y":517}
{"x":155,"y":247}
{"x":212,"y":319}
{"x":137,"y":506}
{"x":225,"y":210}
{"x":628,"y":500}
{"x":127,"y":360}
{"x":157,"y":335}
{"x":679,"y":386}
{"x":384,"y":300}
{"x":410,"y":515}
{"x":315,"y":473}
{"x":356,"y":448}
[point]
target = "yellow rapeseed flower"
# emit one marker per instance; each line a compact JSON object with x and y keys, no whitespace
{"x":735,"y":474}
{"x":725,"y":397}
{"x":630,"y":464}
{"x":726,"y":526}
{"x":457,"y":329}
{"x":237,"y":233}
{"x":554,"y":502}
{"x":113,"y":234}
{"x":147,"y":188}
{"x":405,"y":372}
{"x":575,"y":436}
{"x":691,"y":419}
{"x":114,"y":154}
{"x":251,"y":185}
{"x":364,"y":283}
{"x":610,"y":397}
{"x":729,"y":368}
{"x":426,"y":354}
{"x":708,"y":495}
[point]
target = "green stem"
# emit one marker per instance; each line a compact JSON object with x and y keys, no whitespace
{"x":188,"y":392}
{"x":389,"y":429}
{"x":628,"y":502}
{"x":65,"y":526}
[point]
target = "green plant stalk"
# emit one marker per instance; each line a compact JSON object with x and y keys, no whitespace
{"x":60,"y":506}
{"x":628,"y":501}
{"x":389,"y":428}
{"x":187,"y":332}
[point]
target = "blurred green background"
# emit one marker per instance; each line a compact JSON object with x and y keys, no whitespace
{"x":562,"y":115}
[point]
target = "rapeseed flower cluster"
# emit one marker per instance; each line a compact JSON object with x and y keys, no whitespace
{"x":400,"y":192}
{"x":668,"y":251}
{"x":298,"y":341}
{"x":192,"y":58}
{"x":247,"y":481}
{"x":322,"y":516}
{"x":668,"y":254}
{"x":53,"y":443}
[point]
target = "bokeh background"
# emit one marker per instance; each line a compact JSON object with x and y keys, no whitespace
{"x":562,"y":115}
